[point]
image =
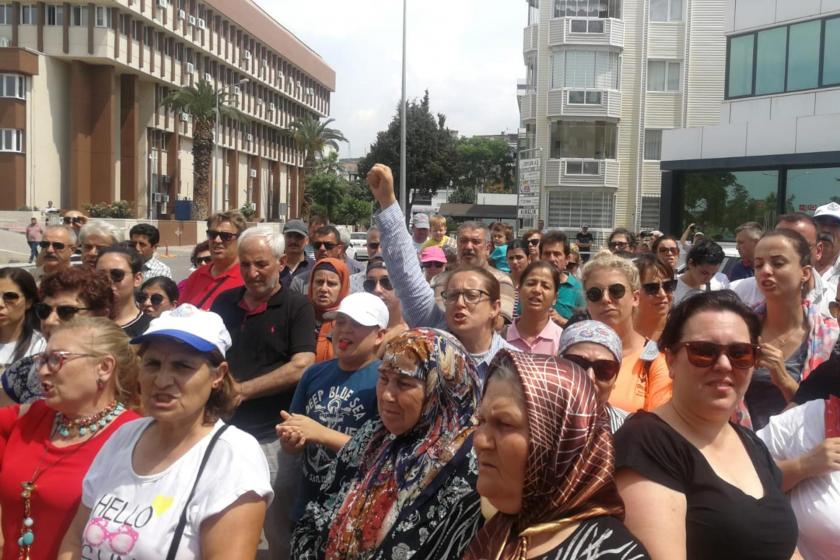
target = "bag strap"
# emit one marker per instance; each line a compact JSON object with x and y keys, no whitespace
{"x":219,"y":282}
{"x":182,"y":522}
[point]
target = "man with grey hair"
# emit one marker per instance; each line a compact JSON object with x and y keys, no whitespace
{"x":273,"y":341}
{"x":746,"y":238}
{"x":57,"y":246}
{"x":94,"y":237}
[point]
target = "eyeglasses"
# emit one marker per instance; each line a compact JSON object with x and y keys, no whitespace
{"x":604,"y":370}
{"x":652,"y":288}
{"x":75,"y":220}
{"x":57,"y":245}
{"x":432,"y":264}
{"x":370,"y":284}
{"x":117,"y":275}
{"x":225,"y":236}
{"x":703,"y":354}
{"x":156,"y":299}
{"x":618,"y":245}
{"x":10,"y":297}
{"x":373,"y":246}
{"x":616,"y":292}
{"x":55,"y":360}
{"x":534,"y":242}
{"x":834,"y":308}
{"x":328,"y":245}
{"x":471,"y":296}
{"x":64,"y":312}
{"x":203,"y":260}
{"x":668,"y":251}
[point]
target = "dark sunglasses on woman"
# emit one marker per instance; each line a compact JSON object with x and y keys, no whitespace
{"x":741,"y":355}
{"x":652,"y":288}
{"x":616,"y":292}
{"x":10,"y":297}
{"x":64,"y":312}
{"x":156,"y":299}
{"x":117,"y":275}
{"x":370,"y":284}
{"x":203,"y":260}
{"x":604,"y":370}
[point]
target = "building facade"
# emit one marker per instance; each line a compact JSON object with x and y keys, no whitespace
{"x":776,"y":148}
{"x":81,"y":113}
{"x":604,"y":79}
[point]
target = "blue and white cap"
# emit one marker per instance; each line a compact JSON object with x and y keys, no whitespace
{"x":203,"y":330}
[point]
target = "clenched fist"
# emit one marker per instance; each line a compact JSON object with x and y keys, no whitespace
{"x":380,"y":179}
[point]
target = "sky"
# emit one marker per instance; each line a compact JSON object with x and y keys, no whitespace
{"x":467,"y":53}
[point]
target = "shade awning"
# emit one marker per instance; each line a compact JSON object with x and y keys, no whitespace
{"x":478,"y":211}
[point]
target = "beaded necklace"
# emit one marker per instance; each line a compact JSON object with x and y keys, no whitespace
{"x":63,"y":428}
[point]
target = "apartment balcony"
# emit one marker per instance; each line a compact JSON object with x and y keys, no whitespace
{"x":527,"y":105}
{"x":576,"y":172}
{"x":531,"y":38}
{"x":579,"y":102}
{"x":586,"y":31}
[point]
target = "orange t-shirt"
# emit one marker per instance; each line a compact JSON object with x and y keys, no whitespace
{"x":633,"y":390}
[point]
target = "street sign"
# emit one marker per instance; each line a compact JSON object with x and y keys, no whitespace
{"x":529,"y":200}
{"x":527,"y":212}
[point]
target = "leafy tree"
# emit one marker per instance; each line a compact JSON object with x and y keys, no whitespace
{"x":485,"y":164}
{"x":311,"y":136}
{"x":327,"y":191}
{"x":353,"y":211}
{"x":430,"y":151}
{"x":463,"y":194}
{"x":200,"y":103}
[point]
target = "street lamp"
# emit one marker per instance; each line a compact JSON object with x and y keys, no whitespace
{"x":219,"y":93}
{"x":403,"y":125}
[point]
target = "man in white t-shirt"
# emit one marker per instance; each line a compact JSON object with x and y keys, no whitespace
{"x":701,"y":275}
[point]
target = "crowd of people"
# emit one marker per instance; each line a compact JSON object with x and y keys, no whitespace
{"x":467,"y":394}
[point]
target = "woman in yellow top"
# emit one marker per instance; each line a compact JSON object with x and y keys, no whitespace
{"x":611,"y":284}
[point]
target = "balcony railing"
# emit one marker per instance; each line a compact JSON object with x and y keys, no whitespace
{"x":582,"y":172}
{"x":582,"y":102}
{"x":531,"y":38}
{"x":586,"y":31}
{"x":528,"y":105}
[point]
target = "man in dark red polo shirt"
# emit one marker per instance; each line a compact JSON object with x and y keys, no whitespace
{"x":208,"y":281}
{"x":273,"y":340}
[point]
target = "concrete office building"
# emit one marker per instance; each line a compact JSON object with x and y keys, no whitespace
{"x":777,"y":145}
{"x":604,"y":79}
{"x":81,"y":118}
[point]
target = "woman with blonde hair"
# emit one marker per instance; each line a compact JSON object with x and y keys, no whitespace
{"x":89,"y":381}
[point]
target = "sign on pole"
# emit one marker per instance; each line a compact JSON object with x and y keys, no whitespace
{"x":529,"y":190}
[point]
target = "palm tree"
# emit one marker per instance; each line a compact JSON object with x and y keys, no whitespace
{"x":200,"y":103}
{"x":311,"y":136}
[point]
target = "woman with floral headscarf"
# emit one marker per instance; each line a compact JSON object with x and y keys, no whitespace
{"x":328,"y":285}
{"x":546,"y":459}
{"x":403,"y":486}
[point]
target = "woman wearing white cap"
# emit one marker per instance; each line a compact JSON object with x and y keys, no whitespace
{"x":161,"y":486}
{"x":335,"y":398}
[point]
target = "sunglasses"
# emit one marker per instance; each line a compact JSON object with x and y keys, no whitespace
{"x":373,"y":246}
{"x":616,"y":292}
{"x":604,"y":370}
{"x":741,"y":355}
{"x":57,"y":245}
{"x":432,"y":264}
{"x":618,"y":245}
{"x":652,"y":288}
{"x":668,"y":251}
{"x":64,"y":312}
{"x":117,"y":275}
{"x":533,"y":242}
{"x":328,"y":245}
{"x":10,"y":297}
{"x":74,"y":220}
{"x":370,"y":284}
{"x":203,"y":260}
{"x":156,"y":299}
{"x":225,"y":236}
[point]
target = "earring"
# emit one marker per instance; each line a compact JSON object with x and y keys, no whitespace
{"x":100,"y":383}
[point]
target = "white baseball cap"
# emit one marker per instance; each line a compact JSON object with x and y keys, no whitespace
{"x":202,"y":330}
{"x":364,"y":308}
{"x":830,"y":210}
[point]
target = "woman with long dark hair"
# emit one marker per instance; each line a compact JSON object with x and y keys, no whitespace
{"x":19,"y":337}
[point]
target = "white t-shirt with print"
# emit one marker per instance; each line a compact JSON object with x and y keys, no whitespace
{"x":816,"y":500}
{"x":134,"y":517}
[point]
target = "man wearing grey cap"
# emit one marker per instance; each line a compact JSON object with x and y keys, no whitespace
{"x":419,"y":230}
{"x":296,"y":237}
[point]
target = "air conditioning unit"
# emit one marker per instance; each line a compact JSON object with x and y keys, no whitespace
{"x":271,"y":107}
{"x":202,"y":24}
{"x":162,"y":3}
{"x":247,"y":55}
{"x":236,"y":90}
{"x":182,"y":14}
{"x":208,"y":77}
{"x":185,"y":117}
{"x":190,"y":68}
{"x":192,"y":20}
{"x":160,"y":197}
{"x":249,"y":137}
{"x":253,"y":172}
{"x":260,"y":102}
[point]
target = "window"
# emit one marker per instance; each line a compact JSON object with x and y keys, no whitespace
{"x":583,"y":167}
{"x":581,"y":97}
{"x":571,"y":208}
{"x":663,"y":75}
{"x":55,"y":15}
{"x":586,"y":69}
{"x":653,"y":144}
{"x":804,"y":55}
{"x":28,"y":15}
{"x":583,"y":140}
{"x":80,"y":16}
{"x":740,"y":65}
{"x":588,"y":8}
{"x":103,"y":16}
{"x":6,"y":14}
{"x":770,"y":61}
{"x":666,"y":10}
{"x":809,"y":188}
{"x":831,"y":44}
{"x":12,"y":85}
{"x":11,"y":140}
{"x":650,"y":212}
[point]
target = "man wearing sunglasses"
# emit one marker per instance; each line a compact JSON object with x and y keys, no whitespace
{"x":326,"y":242}
{"x":57,"y":246}
{"x":96,"y":236}
{"x":208,"y":281}
{"x":145,"y":239}
{"x":374,"y":250}
{"x":296,"y":238}
{"x":74,"y":219}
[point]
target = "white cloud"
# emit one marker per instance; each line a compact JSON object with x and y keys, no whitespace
{"x":467,"y":53}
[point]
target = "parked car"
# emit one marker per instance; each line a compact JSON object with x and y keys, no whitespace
{"x":358,"y":247}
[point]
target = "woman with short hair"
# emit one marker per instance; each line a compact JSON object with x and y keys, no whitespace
{"x":701,"y":274}
{"x":534,"y":331}
{"x":157,"y":295}
{"x":667,"y":250}
{"x":531,"y":239}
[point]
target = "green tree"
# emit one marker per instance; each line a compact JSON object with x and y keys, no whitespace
{"x":200,"y":103}
{"x":311,"y":136}
{"x":430,"y":151}
{"x":486,"y":164}
{"x":327,"y":191}
{"x":463,"y":194}
{"x":352,"y":211}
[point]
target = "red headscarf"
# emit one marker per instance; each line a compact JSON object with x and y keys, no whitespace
{"x":324,"y":348}
{"x":571,"y":461}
